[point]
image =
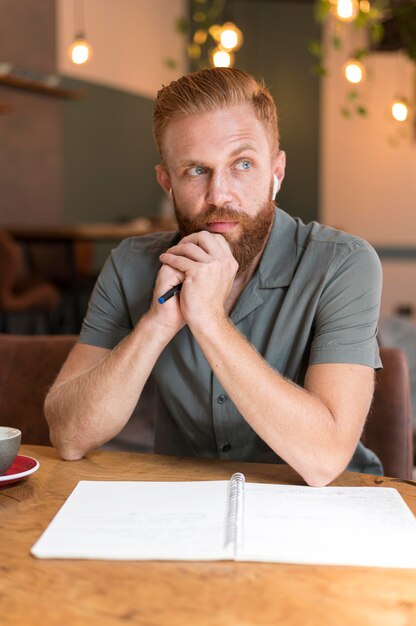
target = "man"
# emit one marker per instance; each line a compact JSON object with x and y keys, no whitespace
{"x":268,"y":352}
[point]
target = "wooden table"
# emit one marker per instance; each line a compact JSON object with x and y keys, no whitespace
{"x":99,"y":593}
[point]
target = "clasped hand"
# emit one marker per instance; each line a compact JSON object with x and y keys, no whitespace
{"x":203,"y":262}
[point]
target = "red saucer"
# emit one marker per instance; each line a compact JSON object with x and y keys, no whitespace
{"x":22,"y":466}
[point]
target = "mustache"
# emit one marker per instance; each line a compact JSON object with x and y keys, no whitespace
{"x":215,"y":214}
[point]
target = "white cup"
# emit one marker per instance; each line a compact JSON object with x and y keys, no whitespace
{"x":10,"y":439}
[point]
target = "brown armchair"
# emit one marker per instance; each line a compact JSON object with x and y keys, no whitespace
{"x":388,"y":430}
{"x":28,"y":366}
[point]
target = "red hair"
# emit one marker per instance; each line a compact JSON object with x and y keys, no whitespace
{"x":210,"y":90}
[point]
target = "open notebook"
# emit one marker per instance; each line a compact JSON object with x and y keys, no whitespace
{"x":222,"y":520}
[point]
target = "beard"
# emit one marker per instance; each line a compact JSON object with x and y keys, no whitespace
{"x":254,"y":231}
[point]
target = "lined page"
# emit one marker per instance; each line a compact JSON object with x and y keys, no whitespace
{"x":139,"y":520}
{"x":330,"y":525}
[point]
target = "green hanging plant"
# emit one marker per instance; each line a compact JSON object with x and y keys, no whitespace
{"x":389,"y":24}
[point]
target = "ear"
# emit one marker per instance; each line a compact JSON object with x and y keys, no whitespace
{"x":279,"y":166}
{"x":163,"y":178}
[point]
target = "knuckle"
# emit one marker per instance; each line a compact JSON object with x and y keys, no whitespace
{"x":204,"y":236}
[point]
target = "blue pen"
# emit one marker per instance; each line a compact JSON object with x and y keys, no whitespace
{"x":169,"y":294}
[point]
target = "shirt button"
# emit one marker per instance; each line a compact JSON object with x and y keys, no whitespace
{"x":226,"y":447}
{"x":221,"y":399}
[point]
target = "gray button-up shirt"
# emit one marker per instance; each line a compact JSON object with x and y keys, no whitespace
{"x":313,"y":299}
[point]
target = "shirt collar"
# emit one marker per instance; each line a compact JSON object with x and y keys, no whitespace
{"x":277,"y":264}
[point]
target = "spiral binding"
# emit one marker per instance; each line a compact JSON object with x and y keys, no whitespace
{"x":235,"y":509}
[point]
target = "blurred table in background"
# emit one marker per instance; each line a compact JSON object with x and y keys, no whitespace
{"x":65,"y":254}
{"x":111,"y":231}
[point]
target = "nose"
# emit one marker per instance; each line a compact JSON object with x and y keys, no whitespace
{"x":220,"y":189}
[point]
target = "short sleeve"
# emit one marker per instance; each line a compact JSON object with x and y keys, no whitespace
{"x":107,"y":321}
{"x":348,"y":310}
{"x":123,"y":292}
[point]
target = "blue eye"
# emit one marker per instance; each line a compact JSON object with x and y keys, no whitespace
{"x":243,"y":165}
{"x":197,"y":170}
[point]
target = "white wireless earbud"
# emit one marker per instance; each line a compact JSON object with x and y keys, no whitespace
{"x":276,"y":186}
{"x":170,"y":193}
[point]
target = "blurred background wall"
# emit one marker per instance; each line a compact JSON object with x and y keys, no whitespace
{"x":92,"y":159}
{"x":368,"y":168}
{"x":89,"y":159}
{"x":31,"y":132}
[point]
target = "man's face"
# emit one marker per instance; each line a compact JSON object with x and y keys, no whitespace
{"x":220,"y":169}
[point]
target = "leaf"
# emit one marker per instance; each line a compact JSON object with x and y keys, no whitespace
{"x":194,"y":51}
{"x":376,"y":33}
{"x":376,"y":13}
{"x":361,"y":20}
{"x":181,"y":25}
{"x":318,"y":70}
{"x":361,"y":110}
{"x":352,"y":95}
{"x":170,"y":63}
{"x":322,"y":8}
{"x":315,"y":47}
{"x":360,"y":53}
{"x":336,"y":42}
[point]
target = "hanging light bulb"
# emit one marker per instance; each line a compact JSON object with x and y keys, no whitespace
{"x":231,"y":37}
{"x":80,"y":51}
{"x":354,"y":71}
{"x":365,"y":6}
{"x":215,"y":32}
{"x":346,"y":10}
{"x":200,"y":36}
{"x":221,"y":57}
{"x":400,"y":110}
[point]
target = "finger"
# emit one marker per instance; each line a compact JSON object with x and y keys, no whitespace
{"x":209,"y":242}
{"x":191,"y":251}
{"x":180,"y":263}
{"x":169,"y":277}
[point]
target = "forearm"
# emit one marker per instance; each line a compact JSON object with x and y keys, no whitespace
{"x":296,"y":424}
{"x":85,"y":411}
